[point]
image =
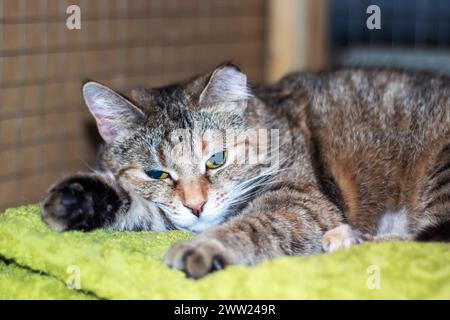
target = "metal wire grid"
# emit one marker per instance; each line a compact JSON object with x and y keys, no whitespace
{"x":415,"y":34}
{"x":123,"y":44}
{"x":413,"y":23}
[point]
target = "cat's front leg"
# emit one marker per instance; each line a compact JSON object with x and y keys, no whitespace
{"x":82,"y":202}
{"x":280,"y":223}
{"x":200,"y":256}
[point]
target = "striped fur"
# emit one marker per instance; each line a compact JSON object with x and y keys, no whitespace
{"x":361,"y":151}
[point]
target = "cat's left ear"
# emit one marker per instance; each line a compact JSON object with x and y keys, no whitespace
{"x":116,"y":116}
{"x":226,"y":88}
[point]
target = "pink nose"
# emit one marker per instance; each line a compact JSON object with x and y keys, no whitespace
{"x":195,"y":206}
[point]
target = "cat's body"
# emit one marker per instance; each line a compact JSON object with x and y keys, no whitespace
{"x":364,"y":154}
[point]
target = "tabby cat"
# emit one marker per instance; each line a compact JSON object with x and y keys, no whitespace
{"x":346,"y":156}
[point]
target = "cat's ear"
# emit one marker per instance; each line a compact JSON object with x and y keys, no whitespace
{"x":226,"y":87}
{"x":116,"y":116}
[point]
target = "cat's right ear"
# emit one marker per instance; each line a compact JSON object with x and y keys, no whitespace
{"x":226,"y":87}
{"x":115,"y":116}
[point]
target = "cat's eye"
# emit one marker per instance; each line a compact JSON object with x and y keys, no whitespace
{"x":157,"y":174}
{"x":217,"y":160}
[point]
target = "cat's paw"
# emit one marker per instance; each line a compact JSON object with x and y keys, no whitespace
{"x":67,"y":205}
{"x":341,"y":237}
{"x":73,"y":204}
{"x":198,"y":258}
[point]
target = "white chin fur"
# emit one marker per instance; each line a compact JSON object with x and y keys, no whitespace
{"x":185,"y":220}
{"x":194,"y":224}
{"x":201,"y":226}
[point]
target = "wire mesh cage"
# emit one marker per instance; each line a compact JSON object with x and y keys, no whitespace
{"x":413,"y":34}
{"x":123,"y":43}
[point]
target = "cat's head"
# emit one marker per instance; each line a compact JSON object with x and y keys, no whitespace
{"x":185,"y":148}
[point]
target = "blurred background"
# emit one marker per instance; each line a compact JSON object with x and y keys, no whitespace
{"x":45,"y":130}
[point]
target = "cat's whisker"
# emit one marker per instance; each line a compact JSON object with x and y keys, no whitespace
{"x":163,"y":207}
{"x":249,"y":188}
{"x":266,"y":174}
{"x":90,"y":168}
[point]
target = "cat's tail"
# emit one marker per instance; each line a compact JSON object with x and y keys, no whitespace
{"x":439,"y":233}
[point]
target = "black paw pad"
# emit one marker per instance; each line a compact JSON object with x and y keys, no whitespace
{"x":218,"y":263}
{"x":72,"y":194}
{"x":80,"y":203}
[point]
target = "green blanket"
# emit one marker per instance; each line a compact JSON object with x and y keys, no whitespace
{"x":36,"y":263}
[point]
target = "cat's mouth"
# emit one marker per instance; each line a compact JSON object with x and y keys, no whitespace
{"x":186,"y":220}
{"x":208,"y":221}
{"x":203,"y":222}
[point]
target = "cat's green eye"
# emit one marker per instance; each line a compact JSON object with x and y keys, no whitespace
{"x":157,"y":174}
{"x":217,"y":160}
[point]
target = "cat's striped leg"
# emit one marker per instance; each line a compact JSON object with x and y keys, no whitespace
{"x":430,"y":220}
{"x":279,"y":223}
{"x":83,"y":202}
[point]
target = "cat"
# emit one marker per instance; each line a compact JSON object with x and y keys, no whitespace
{"x":360,"y":155}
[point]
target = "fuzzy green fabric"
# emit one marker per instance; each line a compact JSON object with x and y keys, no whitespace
{"x":36,"y":263}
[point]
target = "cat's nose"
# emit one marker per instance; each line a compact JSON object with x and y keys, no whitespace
{"x":196,"y":206}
